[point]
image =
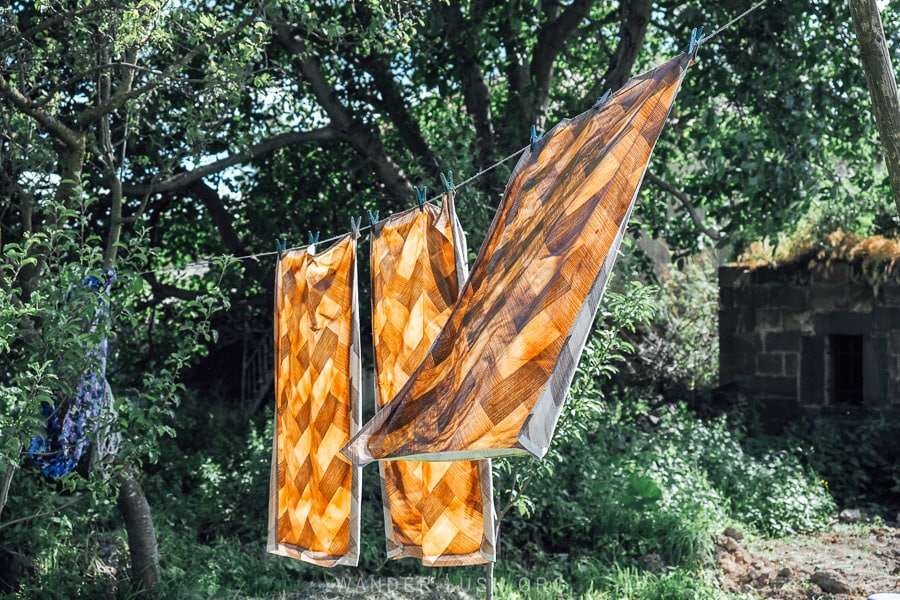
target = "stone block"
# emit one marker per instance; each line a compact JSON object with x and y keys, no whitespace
{"x":790,"y":274}
{"x":894,"y":395}
{"x":886,"y":319}
{"x":894,"y":342}
{"x":735,"y":363}
{"x":890,"y":294}
{"x":842,"y":323}
{"x":788,"y":296}
{"x":770,"y":363}
{"x":737,"y":320}
{"x":746,"y":343}
{"x":758,"y":296}
{"x":797,"y":320}
{"x":792,"y":363}
{"x":875,"y":370}
{"x":730,"y":276}
{"x":775,"y":386}
{"x":812,"y":370}
{"x":768,"y":319}
{"x":726,"y":298}
{"x":780,"y":341}
{"x":837,"y":273}
{"x":855,"y":298}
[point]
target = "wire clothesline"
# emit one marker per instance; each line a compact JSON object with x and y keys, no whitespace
{"x":696,"y":40}
{"x":432,"y":200}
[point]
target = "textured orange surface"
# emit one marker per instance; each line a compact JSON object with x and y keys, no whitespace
{"x":314,"y":494}
{"x":441,"y":512}
{"x":495,"y":379}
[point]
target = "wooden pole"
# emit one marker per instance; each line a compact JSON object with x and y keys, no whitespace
{"x":882,"y":85}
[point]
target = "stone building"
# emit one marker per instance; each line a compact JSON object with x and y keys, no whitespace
{"x":812,"y":338}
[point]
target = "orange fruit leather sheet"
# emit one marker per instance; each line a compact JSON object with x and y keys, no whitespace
{"x":494,"y":380}
{"x":314,"y":495}
{"x":441,"y":512}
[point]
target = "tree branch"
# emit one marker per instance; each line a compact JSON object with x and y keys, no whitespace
{"x":394,"y":104}
{"x":170,"y":291}
{"x":551,"y":39}
{"x":219,"y":215}
{"x":4,"y":488}
{"x":876,"y":59}
{"x":635,"y":16}
{"x":124,"y":93}
{"x":682,"y":197}
{"x":187,"y":178}
{"x":42,"y":514}
{"x":352,"y":131}
{"x":54,"y":21}
{"x":112,"y":172}
{"x":49,"y":94}
{"x":57,"y":128}
{"x":475,"y":91}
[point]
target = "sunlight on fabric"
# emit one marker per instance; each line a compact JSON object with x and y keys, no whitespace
{"x":440,"y":512}
{"x":314,"y":493}
{"x":495,"y":379}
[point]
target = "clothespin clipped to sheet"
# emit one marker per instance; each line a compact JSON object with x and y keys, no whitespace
{"x":447,"y":180}
{"x":421,"y":197}
{"x":280,"y":247}
{"x":373,"y":217}
{"x":604,"y":100}
{"x":694,"y":44}
{"x":313,"y":239}
{"x":354,"y":226}
{"x":535,"y":136}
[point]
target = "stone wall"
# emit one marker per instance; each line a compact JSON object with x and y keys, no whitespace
{"x":775,"y":328}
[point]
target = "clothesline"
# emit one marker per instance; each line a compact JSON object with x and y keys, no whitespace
{"x":432,"y":200}
{"x":696,"y":40}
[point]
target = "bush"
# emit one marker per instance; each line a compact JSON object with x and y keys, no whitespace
{"x":859,"y":461}
{"x":678,"y":350}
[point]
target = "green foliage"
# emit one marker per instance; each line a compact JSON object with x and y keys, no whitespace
{"x":677,"y":352}
{"x":63,"y":526}
{"x":858,"y":460}
{"x":769,"y":490}
{"x":753,"y":174}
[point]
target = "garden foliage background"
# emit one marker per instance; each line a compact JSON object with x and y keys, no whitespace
{"x":148,"y":135}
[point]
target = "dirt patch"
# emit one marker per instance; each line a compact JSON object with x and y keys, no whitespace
{"x":843,"y":562}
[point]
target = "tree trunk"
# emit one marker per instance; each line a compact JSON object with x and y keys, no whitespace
{"x":142,"y":545}
{"x":882,"y":85}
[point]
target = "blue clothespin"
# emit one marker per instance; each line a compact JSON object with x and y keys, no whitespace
{"x":354,"y":225}
{"x":604,"y":99}
{"x":421,"y":197}
{"x":280,"y":247}
{"x":373,"y":217}
{"x":535,"y":136}
{"x":447,"y":180}
{"x":313,"y":239}
{"x":696,"y":36}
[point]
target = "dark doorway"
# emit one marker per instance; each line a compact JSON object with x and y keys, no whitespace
{"x":846,"y":368}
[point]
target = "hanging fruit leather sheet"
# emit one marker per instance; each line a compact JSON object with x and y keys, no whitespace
{"x":441,"y":512}
{"x":314,"y":493}
{"x":495,"y":378}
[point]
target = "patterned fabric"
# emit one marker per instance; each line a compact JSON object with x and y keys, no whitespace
{"x":495,"y":379}
{"x":314,"y":493}
{"x":71,"y":423}
{"x":441,"y":512}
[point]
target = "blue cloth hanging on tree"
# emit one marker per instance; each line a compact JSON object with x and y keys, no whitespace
{"x":70,"y":422}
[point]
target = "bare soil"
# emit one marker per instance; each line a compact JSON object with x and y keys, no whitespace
{"x":842,"y":562}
